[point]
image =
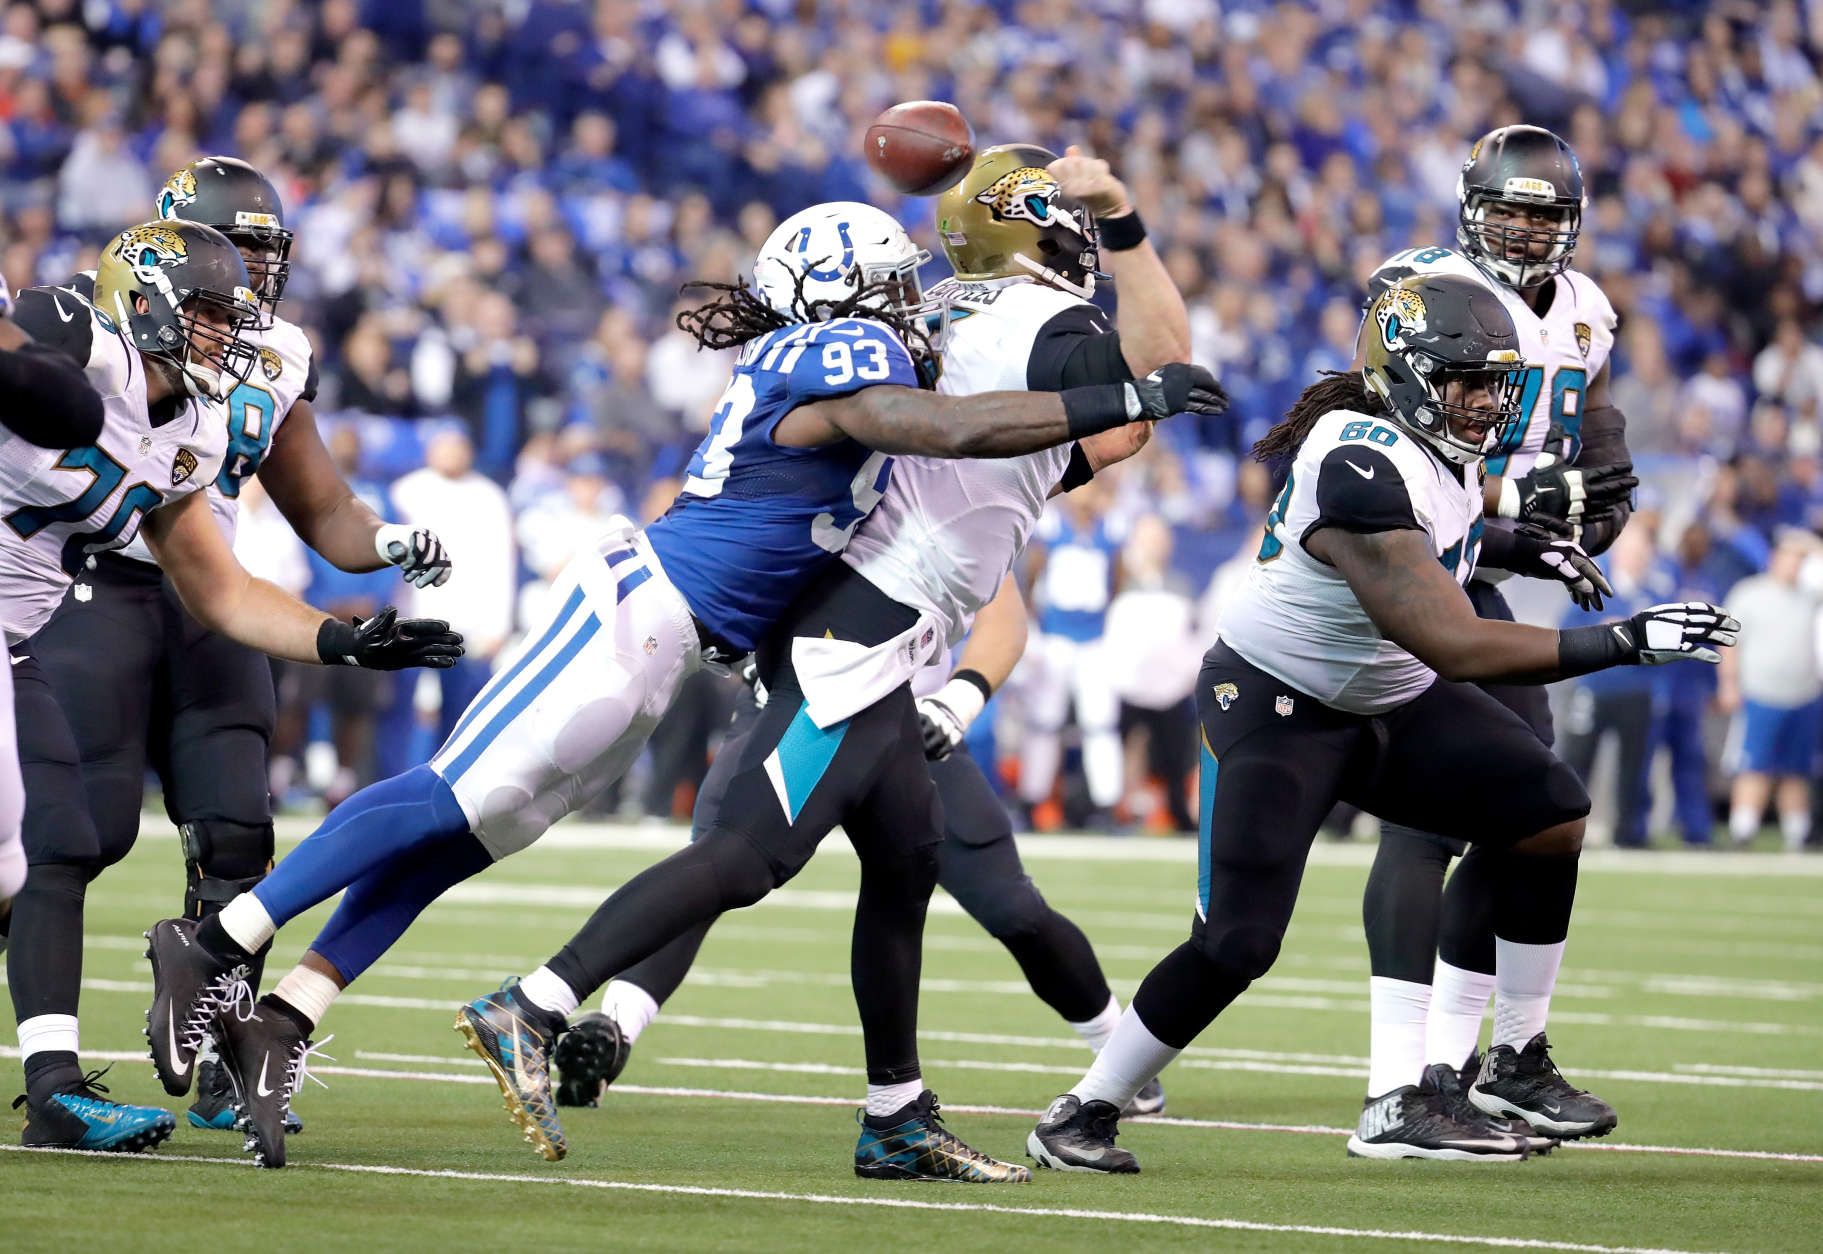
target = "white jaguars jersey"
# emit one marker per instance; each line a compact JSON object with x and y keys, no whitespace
{"x":59,"y":506}
{"x":1296,"y":618}
{"x":283,"y":374}
{"x":1562,"y":350}
{"x":948,"y":531}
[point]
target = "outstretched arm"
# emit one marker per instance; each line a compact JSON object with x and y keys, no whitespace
{"x":217,"y":589}
{"x":903,"y":420}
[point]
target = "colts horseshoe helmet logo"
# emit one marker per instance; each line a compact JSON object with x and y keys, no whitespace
{"x":1399,"y":312}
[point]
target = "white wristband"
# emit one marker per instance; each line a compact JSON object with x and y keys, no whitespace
{"x":1509,"y":499}
{"x":961,"y":698}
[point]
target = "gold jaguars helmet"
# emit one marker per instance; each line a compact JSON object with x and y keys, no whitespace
{"x":1008,"y":217}
{"x":199,"y":304}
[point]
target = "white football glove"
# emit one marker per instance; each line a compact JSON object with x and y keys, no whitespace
{"x":945,"y":715}
{"x":1678,"y":630}
{"x":417,"y":553}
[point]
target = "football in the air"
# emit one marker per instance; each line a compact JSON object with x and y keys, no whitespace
{"x":921,"y":146}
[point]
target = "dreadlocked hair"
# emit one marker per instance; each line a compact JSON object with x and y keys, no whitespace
{"x":1337,"y":389}
{"x":738,"y":315}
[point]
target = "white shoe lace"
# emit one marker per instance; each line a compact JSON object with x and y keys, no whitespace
{"x":300,"y":1066}
{"x":226,"y":993}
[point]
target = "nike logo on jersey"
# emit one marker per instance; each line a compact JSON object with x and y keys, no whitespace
{"x":261,"y":1088}
{"x":1367,"y":473}
{"x":59,"y":306}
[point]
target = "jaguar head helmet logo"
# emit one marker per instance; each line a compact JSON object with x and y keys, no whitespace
{"x":1399,"y":313}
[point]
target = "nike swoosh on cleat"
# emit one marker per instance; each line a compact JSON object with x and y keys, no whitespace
{"x":1365,"y":474}
{"x":171,"y":1044}
{"x":261,"y":1088}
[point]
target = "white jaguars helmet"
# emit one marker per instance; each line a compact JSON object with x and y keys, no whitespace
{"x":837,"y":249}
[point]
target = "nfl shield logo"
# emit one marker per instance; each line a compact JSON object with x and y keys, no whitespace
{"x":1282,"y":706}
{"x":651,"y":645}
{"x":145,"y":445}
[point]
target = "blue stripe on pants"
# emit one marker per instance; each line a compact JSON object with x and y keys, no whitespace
{"x":804,"y":753}
{"x":526,"y":695}
{"x":1206,"y":817}
{"x":558,"y":622}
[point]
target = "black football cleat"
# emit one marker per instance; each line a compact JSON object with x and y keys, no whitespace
{"x":589,"y":1057}
{"x":912,"y":1144}
{"x":1526,"y":1084}
{"x":1075,"y":1135}
{"x":81,"y":1118}
{"x":264,"y":1053}
{"x":190,"y":986}
{"x":213,"y":1109}
{"x":1456,"y":1100}
{"x":1414,"y":1121}
{"x":1150,"y":1100}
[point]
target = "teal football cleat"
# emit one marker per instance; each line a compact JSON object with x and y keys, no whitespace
{"x":83,"y":1119}
{"x":213,"y":1109}
{"x":912,"y":1144}
{"x":515,"y":1038}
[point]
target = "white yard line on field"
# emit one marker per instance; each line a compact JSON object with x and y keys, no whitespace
{"x":919,"y":1204}
{"x":803,"y":1099}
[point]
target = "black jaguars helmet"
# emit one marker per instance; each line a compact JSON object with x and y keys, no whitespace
{"x":1429,"y":331}
{"x":1524,"y":168}
{"x":240,"y":202}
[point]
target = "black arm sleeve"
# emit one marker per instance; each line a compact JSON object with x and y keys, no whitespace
{"x":46,"y":400}
{"x":57,"y":320}
{"x":1604,"y":443}
{"x":1078,"y":472}
{"x":1506,"y":548}
{"x":1359,"y":489}
{"x":1075,"y":349}
{"x":310,"y":382}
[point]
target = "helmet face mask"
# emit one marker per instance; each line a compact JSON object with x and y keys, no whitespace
{"x":1441,"y":352}
{"x":240,"y":202}
{"x":179,"y":291}
{"x":1519,"y":205}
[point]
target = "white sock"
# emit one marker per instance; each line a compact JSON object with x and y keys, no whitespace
{"x":1396,"y":1041}
{"x":1131,"y":1057}
{"x":1102,"y":767}
{"x":245,"y":920}
{"x":1797,"y":830}
{"x":545,"y":989}
{"x":1459,"y":1000}
{"x":1096,"y":1031}
{"x":1524,"y":976}
{"x":1743,"y":823}
{"x":43,"y":1034}
{"x":307,"y":991}
{"x":631,"y":1007}
{"x":884,"y":1099}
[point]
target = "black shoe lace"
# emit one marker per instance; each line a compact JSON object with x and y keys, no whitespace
{"x":89,"y":1086}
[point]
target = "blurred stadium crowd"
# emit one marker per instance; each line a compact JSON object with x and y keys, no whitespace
{"x":496,"y":204}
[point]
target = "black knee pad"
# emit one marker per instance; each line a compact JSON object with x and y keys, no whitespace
{"x":1016,"y":910}
{"x":222,"y":860}
{"x":743,"y":873}
{"x":1242,"y":952}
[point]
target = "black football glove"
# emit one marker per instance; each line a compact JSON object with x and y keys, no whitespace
{"x":944,"y":716}
{"x":1543,"y":556}
{"x":1177,"y":389}
{"x":387,"y":642}
{"x":1560,"y":496}
{"x":1682,"y":629}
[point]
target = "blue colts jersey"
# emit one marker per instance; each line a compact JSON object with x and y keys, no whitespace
{"x":1078,"y":579}
{"x":756,"y":520}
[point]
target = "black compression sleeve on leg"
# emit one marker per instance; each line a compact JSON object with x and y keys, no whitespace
{"x":886,"y":958}
{"x":1533,"y":896}
{"x":44,"y":957}
{"x":1060,"y":965}
{"x":1183,"y":994}
{"x":1400,"y":907}
{"x":660,"y":974}
{"x":1465,"y":936}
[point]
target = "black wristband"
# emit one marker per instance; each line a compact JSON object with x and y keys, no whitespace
{"x":1122,"y":233}
{"x":1099,"y":407}
{"x":1078,"y":472}
{"x":975,"y":677}
{"x":335,"y":643}
{"x":1581,"y":650}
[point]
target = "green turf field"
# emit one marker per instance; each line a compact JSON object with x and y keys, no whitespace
{"x":1692,"y":998}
